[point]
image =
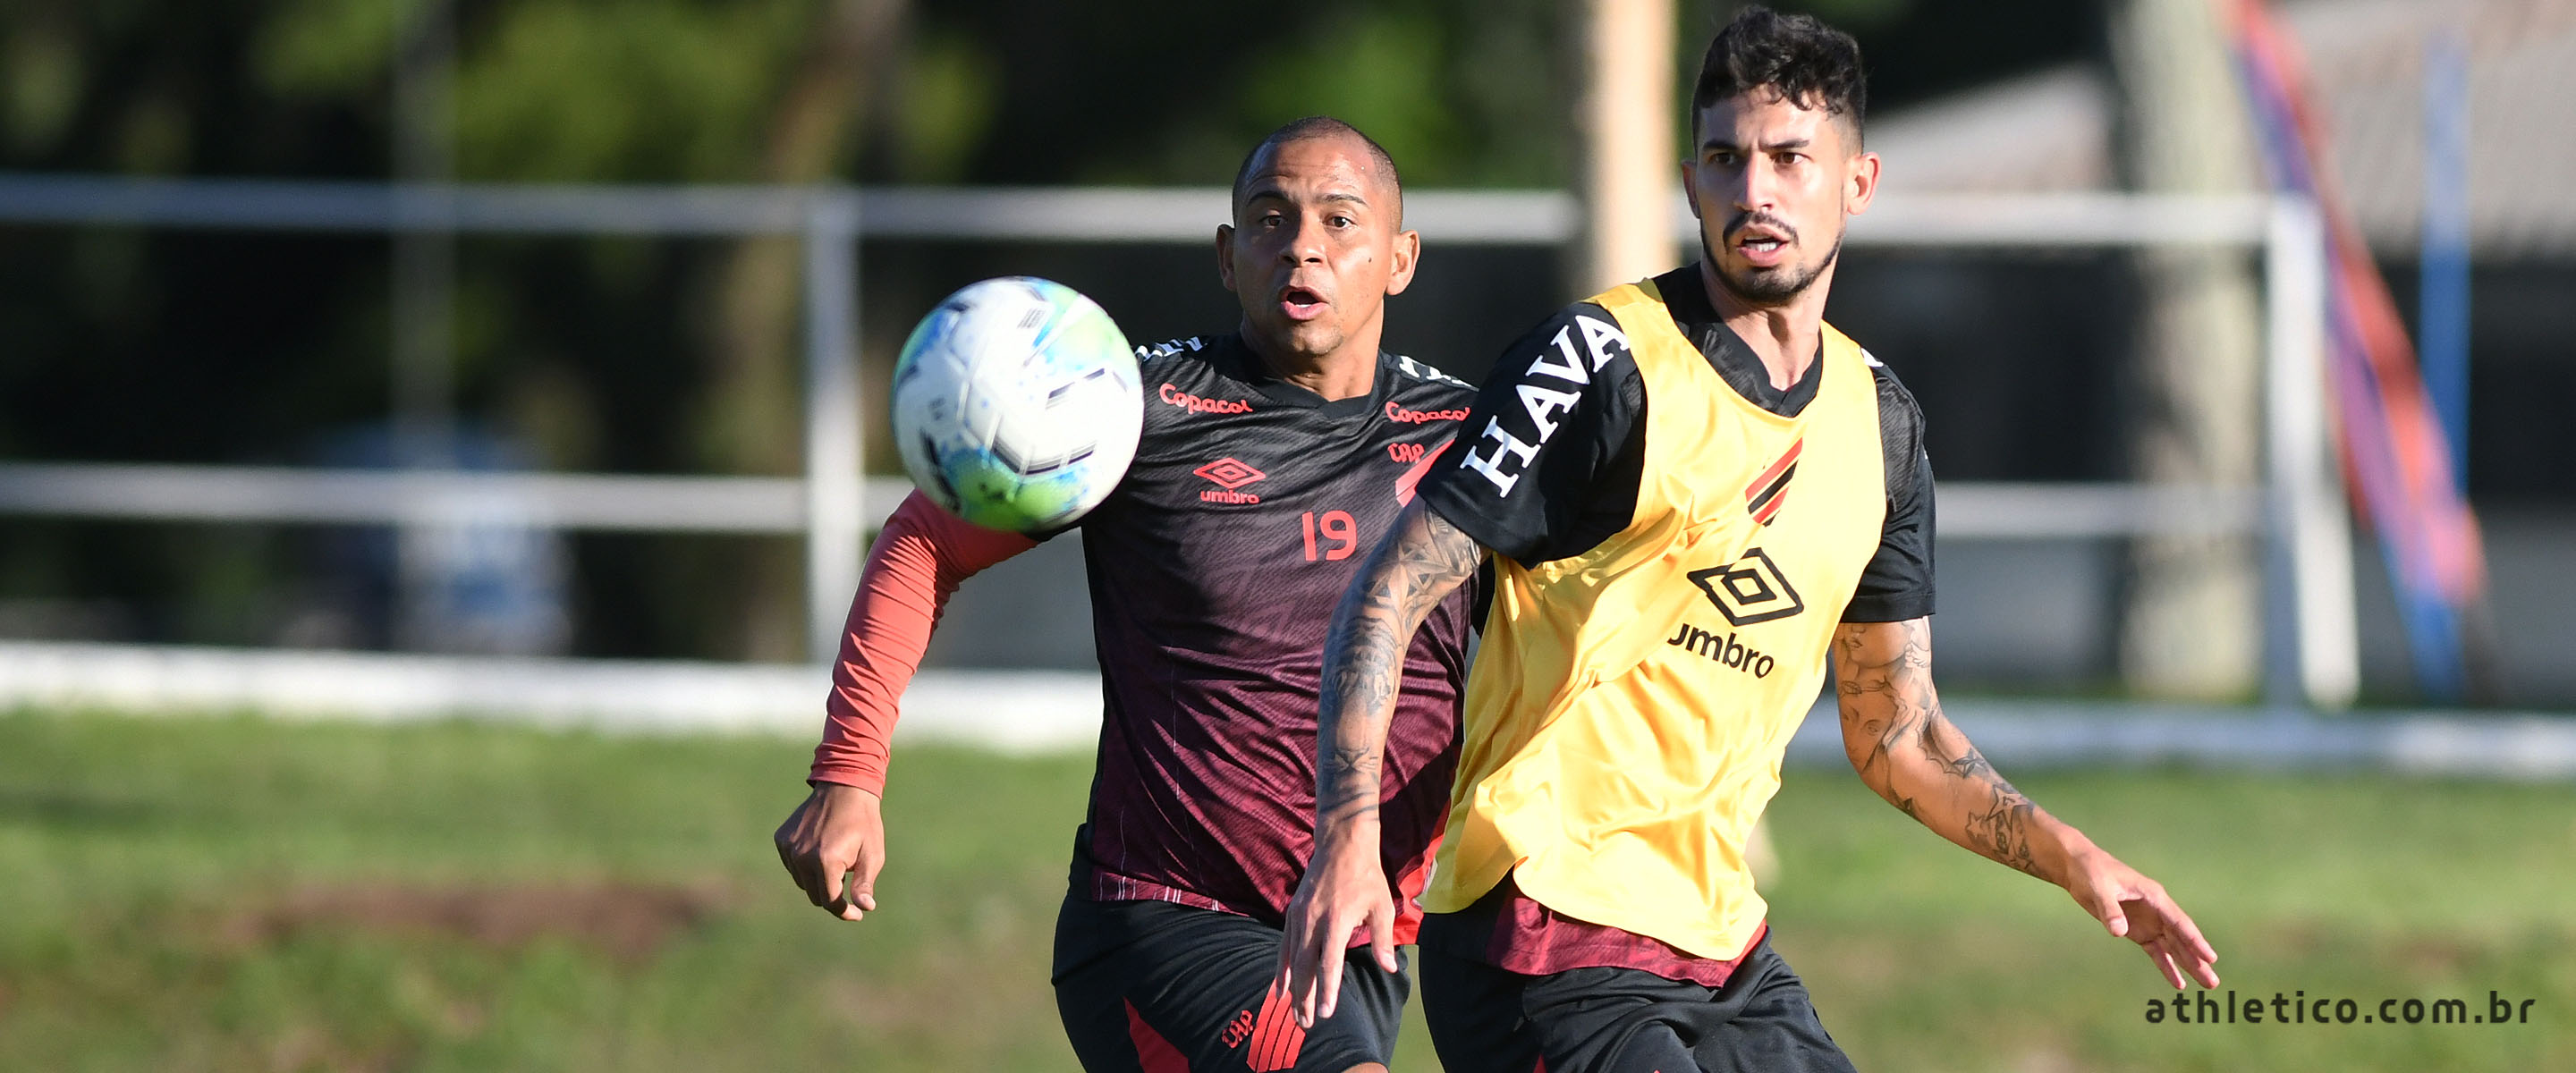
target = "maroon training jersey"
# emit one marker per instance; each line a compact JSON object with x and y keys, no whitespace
{"x":1215,"y":567}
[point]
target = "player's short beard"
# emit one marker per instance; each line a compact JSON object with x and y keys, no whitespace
{"x":1290,"y":342}
{"x":1768,"y":287}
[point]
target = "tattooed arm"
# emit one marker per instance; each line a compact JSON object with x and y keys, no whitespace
{"x":1422,"y":560}
{"x":1913,"y":756}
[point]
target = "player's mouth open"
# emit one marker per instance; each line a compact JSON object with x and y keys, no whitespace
{"x":1761,"y":247}
{"x":1301,"y":304}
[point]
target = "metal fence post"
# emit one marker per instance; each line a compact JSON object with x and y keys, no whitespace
{"x":833,"y":441}
{"x":2310,"y":640}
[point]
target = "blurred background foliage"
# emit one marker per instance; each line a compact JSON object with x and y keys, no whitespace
{"x":675,"y":356}
{"x":1010,"y":91}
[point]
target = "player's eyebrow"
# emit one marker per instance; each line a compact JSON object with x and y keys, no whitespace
{"x":1784,"y":143}
{"x":1272,"y":193}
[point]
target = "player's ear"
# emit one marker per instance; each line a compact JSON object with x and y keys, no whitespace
{"x":1863,"y":184}
{"x":1225,"y":254}
{"x":1408,"y":253}
{"x":1690,"y":186}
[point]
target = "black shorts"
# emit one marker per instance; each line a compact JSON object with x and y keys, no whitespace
{"x":1486,"y":1020}
{"x":1153,"y":987}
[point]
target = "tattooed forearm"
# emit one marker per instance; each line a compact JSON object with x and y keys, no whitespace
{"x":1421,"y":561}
{"x":1907,"y":751}
{"x":2002,"y":831}
{"x":1346,"y":784}
{"x":1997,"y":825}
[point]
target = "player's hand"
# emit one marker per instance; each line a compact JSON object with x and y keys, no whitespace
{"x":837,"y":834}
{"x":2136,"y":908}
{"x":1344,"y":891}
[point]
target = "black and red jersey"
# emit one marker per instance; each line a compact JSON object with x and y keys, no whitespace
{"x":1215,"y":567}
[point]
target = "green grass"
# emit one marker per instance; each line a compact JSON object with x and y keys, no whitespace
{"x":2366,"y":887}
{"x":238,"y":894}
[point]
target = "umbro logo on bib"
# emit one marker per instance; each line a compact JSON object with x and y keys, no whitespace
{"x":1752,"y":590}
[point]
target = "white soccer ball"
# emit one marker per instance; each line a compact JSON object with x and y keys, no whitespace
{"x":1017,"y":404}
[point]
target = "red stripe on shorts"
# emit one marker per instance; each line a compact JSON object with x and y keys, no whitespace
{"x":1153,"y":1052}
{"x":1276,"y":1036}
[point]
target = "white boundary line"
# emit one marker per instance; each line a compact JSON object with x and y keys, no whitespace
{"x":2040,"y":734}
{"x":1035,"y":711}
{"x":1015,"y":710}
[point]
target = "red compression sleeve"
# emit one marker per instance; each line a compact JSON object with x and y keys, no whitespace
{"x":919,"y":557}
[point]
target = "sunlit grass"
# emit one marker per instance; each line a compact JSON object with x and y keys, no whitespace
{"x":239,"y":894}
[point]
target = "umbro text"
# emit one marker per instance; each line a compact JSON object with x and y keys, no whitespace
{"x":1722,"y":648}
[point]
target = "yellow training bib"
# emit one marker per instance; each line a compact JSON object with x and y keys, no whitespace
{"x":1628,"y":710}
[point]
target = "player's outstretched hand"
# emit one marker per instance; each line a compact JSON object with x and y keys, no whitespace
{"x":1344,"y":891}
{"x":2137,"y":908}
{"x":837,"y":834}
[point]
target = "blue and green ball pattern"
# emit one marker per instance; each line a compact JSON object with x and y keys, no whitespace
{"x":1017,"y":404}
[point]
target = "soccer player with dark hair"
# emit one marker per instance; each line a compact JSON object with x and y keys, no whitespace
{"x":1694,"y":493}
{"x":1272,"y":458}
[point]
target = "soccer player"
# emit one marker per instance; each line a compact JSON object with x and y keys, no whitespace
{"x":1694,"y":493}
{"x":1273,"y":457}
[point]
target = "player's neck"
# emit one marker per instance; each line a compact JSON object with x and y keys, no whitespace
{"x":1348,"y":372}
{"x":1786,"y":336}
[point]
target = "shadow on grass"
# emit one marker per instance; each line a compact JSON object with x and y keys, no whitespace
{"x":627,"y":921}
{"x":81,"y":811}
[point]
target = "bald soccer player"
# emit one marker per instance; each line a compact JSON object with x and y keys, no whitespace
{"x":1273,"y":457}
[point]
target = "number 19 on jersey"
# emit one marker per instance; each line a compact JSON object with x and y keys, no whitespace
{"x":1340,"y":534}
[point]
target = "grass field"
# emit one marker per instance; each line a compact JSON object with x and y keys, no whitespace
{"x":233,"y":894}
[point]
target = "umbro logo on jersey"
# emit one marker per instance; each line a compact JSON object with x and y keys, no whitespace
{"x":1762,"y":498}
{"x":1229,"y":474}
{"x":1750,"y":591}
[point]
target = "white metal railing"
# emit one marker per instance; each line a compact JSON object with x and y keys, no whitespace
{"x":1030,"y":710}
{"x":2309,"y":636}
{"x":598,"y":502}
{"x":1047,"y":214}
{"x":776,"y":505}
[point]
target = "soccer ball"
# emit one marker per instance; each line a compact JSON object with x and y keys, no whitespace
{"x":1017,"y":404}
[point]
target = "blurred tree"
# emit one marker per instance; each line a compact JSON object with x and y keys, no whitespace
{"x":808,"y":136}
{"x":1460,"y":92}
{"x":2191,"y":626}
{"x":640,"y":355}
{"x":663,"y":91}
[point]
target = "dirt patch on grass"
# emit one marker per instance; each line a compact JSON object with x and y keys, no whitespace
{"x":309,"y":1048}
{"x":627,"y":920}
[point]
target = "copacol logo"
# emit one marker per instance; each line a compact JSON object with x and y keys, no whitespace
{"x":1752,"y":590}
